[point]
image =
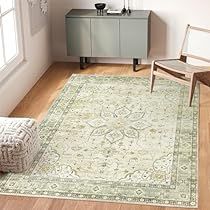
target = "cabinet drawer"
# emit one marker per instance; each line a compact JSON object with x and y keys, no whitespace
{"x":134,"y":38}
{"x":105,"y":37}
{"x":78,"y":37}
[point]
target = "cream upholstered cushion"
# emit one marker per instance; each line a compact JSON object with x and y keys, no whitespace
{"x":19,"y":143}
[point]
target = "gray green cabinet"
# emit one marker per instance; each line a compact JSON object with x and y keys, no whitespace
{"x":124,"y":36}
{"x":134,"y":38}
{"x":105,"y":37}
{"x":79,"y":33}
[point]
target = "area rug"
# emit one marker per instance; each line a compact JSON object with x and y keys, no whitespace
{"x":106,"y":138}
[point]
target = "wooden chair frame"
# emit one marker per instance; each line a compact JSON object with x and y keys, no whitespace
{"x":187,"y":78}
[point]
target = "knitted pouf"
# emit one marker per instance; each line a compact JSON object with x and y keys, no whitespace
{"x":19,"y":144}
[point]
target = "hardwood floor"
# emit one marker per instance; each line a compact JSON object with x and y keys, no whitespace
{"x":36,"y":103}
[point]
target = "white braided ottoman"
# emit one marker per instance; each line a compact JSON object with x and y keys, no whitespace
{"x":19,"y":144}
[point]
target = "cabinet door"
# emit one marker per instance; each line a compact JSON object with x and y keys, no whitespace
{"x":105,"y":37}
{"x":134,"y":38}
{"x":78,"y":37}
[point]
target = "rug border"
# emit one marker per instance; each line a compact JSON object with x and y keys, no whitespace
{"x":97,"y":200}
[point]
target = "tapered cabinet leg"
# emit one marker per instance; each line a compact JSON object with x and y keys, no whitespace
{"x":192,"y":89}
{"x":135,"y":63}
{"x":87,"y":60}
{"x":82,"y":63}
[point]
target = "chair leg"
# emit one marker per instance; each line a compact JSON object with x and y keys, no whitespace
{"x":192,"y":88}
{"x":152,"y":79}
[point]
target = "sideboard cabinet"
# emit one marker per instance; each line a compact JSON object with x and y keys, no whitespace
{"x":124,"y":36}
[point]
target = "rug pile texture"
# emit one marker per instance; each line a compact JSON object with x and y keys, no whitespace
{"x":106,"y":138}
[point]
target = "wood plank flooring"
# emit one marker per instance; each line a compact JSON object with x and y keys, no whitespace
{"x":36,"y":103}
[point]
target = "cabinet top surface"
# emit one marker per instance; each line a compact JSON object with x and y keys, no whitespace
{"x":92,"y":13}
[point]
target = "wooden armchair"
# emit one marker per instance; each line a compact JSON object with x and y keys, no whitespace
{"x":196,"y":45}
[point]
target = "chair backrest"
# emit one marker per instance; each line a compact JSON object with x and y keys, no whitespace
{"x":196,"y":44}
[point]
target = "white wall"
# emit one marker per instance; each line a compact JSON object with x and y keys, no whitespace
{"x":37,"y":60}
{"x":169,"y":20}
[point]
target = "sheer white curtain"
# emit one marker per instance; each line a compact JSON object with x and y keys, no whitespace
{"x":11,"y":50}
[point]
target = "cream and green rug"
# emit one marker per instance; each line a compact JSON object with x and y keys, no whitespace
{"x":108,"y":139}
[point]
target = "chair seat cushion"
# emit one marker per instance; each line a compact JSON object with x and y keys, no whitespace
{"x":19,"y":143}
{"x":179,"y":66}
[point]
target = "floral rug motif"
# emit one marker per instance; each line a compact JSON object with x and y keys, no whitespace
{"x":107,"y":138}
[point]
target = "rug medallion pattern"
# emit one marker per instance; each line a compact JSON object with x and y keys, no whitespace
{"x":107,"y":138}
